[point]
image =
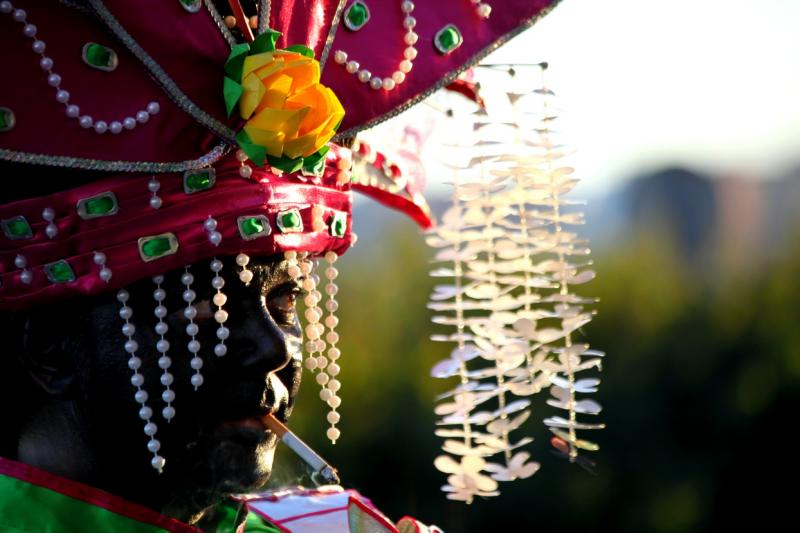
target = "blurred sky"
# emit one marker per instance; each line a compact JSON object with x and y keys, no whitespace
{"x":714,"y":84}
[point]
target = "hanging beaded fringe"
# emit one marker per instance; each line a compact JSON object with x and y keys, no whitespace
{"x":162,"y":347}
{"x":220,"y":315}
{"x":245,"y":275}
{"x":190,"y":312}
{"x":137,"y":380}
{"x":332,"y":370}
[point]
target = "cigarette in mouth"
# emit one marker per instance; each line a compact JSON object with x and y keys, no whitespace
{"x":317,"y":463}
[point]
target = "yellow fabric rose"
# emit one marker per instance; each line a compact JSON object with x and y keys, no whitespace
{"x":287,"y":110}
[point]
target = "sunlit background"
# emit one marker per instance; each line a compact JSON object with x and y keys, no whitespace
{"x":686,"y":124}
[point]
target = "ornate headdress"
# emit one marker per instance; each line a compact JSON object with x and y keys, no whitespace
{"x":212,"y":147}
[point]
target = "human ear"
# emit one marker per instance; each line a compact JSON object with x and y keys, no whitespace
{"x":46,"y":356}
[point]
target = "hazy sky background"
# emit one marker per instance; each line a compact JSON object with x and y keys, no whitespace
{"x":714,"y":84}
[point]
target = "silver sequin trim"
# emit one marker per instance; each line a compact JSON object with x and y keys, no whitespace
{"x":326,"y":50}
{"x":223,"y":29}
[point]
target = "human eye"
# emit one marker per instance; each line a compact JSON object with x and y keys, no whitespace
{"x":282,"y":303}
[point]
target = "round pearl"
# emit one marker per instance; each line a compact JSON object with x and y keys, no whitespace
{"x":405,"y":66}
{"x":290,"y":255}
{"x":6,"y":7}
{"x":333,"y":434}
{"x":331,"y":289}
{"x":340,"y":56}
{"x":192,"y":329}
{"x":168,"y":395}
{"x":145,"y":413}
{"x":245,"y":171}
{"x":220,"y":350}
{"x":125,"y":313}
{"x":311,"y":347}
{"x":29,"y":30}
{"x":484,"y":10}
{"x":241,"y":156}
{"x":331,"y":321}
{"x":311,"y":332}
{"x":129,"y":123}
{"x":217,"y":282}
{"x":162,"y":345}
{"x":196,"y":363}
{"x":158,"y":279}
{"x":156,"y":202}
{"x":20,"y":261}
{"x":293,"y":271}
{"x":131,"y":346}
{"x":210,"y":224}
{"x":62,"y":96}
{"x":221,"y":316}
{"x":153,"y":108}
{"x":137,"y":380}
{"x":331,"y":272}
{"x":364,"y":75}
{"x":407,"y":6}
{"x":140,"y":396}
{"x":100,"y":126}
{"x":167,"y":379}
{"x":388,"y":84}
{"x":335,"y":402}
{"x":73,"y":111}
{"x":142,"y":117}
{"x":193,"y":346}
{"x":85,"y":121}
{"x":164,"y":363}
{"x":215,"y":238}
{"x":410,"y":53}
{"x":162,"y":328}
{"x":376,"y":83}
{"x":128,"y":329}
{"x":122,"y":296}
{"x":159,"y":295}
{"x":410,"y":38}
{"x":325,"y":395}
{"x":54,"y":80}
{"x":197,"y":380}
{"x":334,"y":385}
{"x":188,"y":295}
{"x":19,"y":15}
{"x":160,"y":311}
{"x":242,"y":259}
{"x":115,"y":127}
{"x":134,"y":363}
{"x":187,"y":278}
{"x":311,"y":363}
{"x":105,"y":274}
{"x":153,"y":446}
{"x":322,"y":378}
{"x":26,"y":277}
{"x":334,"y":353}
{"x":333,"y":417}
{"x":322,"y":362}
{"x":150,"y":428}
{"x":46,"y":63}
{"x":216,"y":266}
{"x":352,"y":67}
{"x":332,"y":305}
{"x":153,"y":185}
{"x":308,"y":284}
{"x":409,"y":22}
{"x":333,"y":369}
{"x":38,"y":47}
{"x":158,"y":462}
{"x":168,"y":413}
{"x":245,"y":276}
{"x":219,"y":299}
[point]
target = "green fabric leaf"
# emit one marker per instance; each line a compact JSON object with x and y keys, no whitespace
{"x":301,"y":49}
{"x":231,"y":91}
{"x":286,"y":164}
{"x":256,"y":153}
{"x":315,"y":163}
{"x":265,"y":42}
{"x":235,"y":62}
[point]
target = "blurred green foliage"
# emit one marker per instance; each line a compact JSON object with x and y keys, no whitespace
{"x":700,"y":389}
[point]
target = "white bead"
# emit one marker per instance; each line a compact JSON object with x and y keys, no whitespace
{"x":245,"y":276}
{"x":137,"y":380}
{"x":334,"y":385}
{"x":364,"y":75}
{"x":242,"y":259}
{"x":156,"y":202}
{"x":410,"y":53}
{"x":311,"y":363}
{"x":352,"y":67}
{"x":245,"y":171}
{"x":46,"y":63}
{"x":162,"y":346}
{"x":333,"y":434}
{"x":54,"y":80}
{"x":293,"y":271}
{"x":221,"y":316}
{"x":218,"y":282}
{"x":311,"y":347}
{"x":219,"y":299}
{"x":409,"y":22}
{"x":241,"y":156}
{"x":216,"y":266}
{"x":20,"y":261}
{"x":29,"y":30}
{"x":331,"y":289}
{"x":190,"y":312}
{"x":210,"y":224}
{"x":168,"y":413}
{"x":340,"y":56}
{"x":128,"y":329}
{"x":333,"y":417}
{"x":215,"y":238}
{"x":188,"y":295}
{"x":398,"y":77}
{"x":105,"y":274}
{"x":153,"y":108}
{"x":331,"y":321}
{"x":322,"y":362}
{"x":122,"y":296}
{"x":410,"y":38}
{"x":484,"y":10}
{"x":125,"y":313}
{"x":26,"y":277}
{"x":322,"y":378}
{"x":193,"y":346}
{"x":291,"y":255}
{"x":100,"y":126}
{"x":335,"y":401}
{"x":376,"y":83}
{"x":158,"y":279}
{"x":129,"y":123}
{"x":388,"y":84}
{"x":131,"y":346}
{"x":167,"y":379}
{"x":62,"y":96}
{"x":333,"y":369}
{"x":334,"y":353}
{"x":73,"y":111}
{"x":145,"y":413}
{"x":150,"y":428}
{"x":162,"y":328}
{"x":153,"y":185}
{"x":160,"y":311}
{"x":134,"y":363}
{"x":153,"y":445}
{"x":331,"y":272}
{"x":19,"y":15}
{"x":197,"y":380}
{"x":164,"y":362}
{"x":187,"y":278}
{"x":158,"y":462}
{"x":140,"y":396}
{"x":220,"y":350}
{"x":192,"y":329}
{"x":115,"y":127}
{"x":6,"y":7}
{"x":407,"y":6}
{"x":325,"y":395}
{"x":168,"y":396}
{"x":142,"y":117}
{"x":85,"y":121}
{"x":159,"y":294}
{"x":48,"y":214}
{"x":405,"y":66}
{"x":38,"y":46}
{"x":196,"y":363}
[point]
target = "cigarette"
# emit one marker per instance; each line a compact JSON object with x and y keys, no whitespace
{"x":317,"y":463}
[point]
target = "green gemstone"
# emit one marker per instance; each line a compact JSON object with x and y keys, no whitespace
{"x":198,"y":180}
{"x":59,"y":272}
{"x":251,"y":227}
{"x":192,"y":6}
{"x":7,"y":119}
{"x":151,"y":248}
{"x":338,"y":224}
{"x":448,"y":39}
{"x":290,"y":221}
{"x":99,"y":56}
{"x":356,"y":16}
{"x":102,"y":205}
{"x":17,"y":228}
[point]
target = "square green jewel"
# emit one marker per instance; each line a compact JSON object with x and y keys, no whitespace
{"x":102,"y":205}
{"x":59,"y":272}
{"x":17,"y":228}
{"x":448,"y":39}
{"x":198,"y":180}
{"x":100,"y":57}
{"x":356,"y":16}
{"x":289,"y":221}
{"x":253,"y":227}
{"x":192,"y":6}
{"x":157,"y":246}
{"x":7,"y":119}
{"x":338,"y":224}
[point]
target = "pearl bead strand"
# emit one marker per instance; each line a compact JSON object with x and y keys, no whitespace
{"x":482,"y":8}
{"x":331,"y":321}
{"x":220,"y":315}
{"x":391,"y":82}
{"x":162,"y":347}
{"x":63,"y":96}
{"x":190,"y":312}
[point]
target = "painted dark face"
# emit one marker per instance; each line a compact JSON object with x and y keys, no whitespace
{"x":215,"y":445}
